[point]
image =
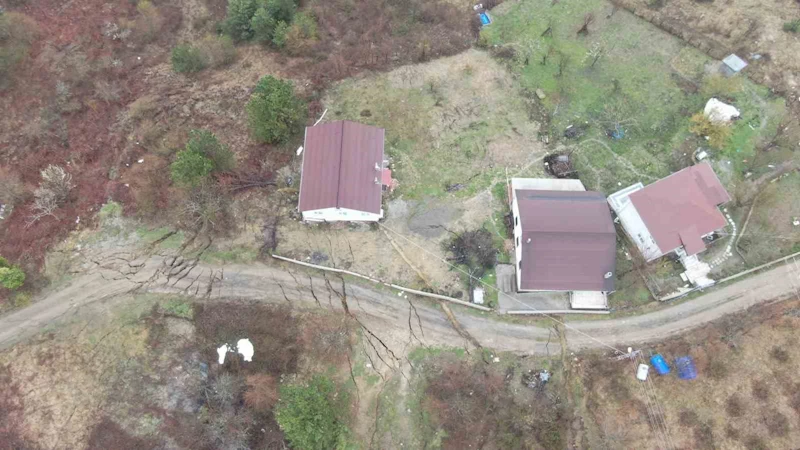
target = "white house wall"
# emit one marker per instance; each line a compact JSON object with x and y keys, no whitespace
{"x":339,"y":215}
{"x":632,"y":222}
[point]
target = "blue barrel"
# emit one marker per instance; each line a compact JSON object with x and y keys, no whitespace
{"x":685,"y":367}
{"x":660,"y":364}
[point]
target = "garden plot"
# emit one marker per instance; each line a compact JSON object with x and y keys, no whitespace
{"x":625,"y":78}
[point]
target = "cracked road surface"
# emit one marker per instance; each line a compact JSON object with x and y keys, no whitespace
{"x":379,"y":311}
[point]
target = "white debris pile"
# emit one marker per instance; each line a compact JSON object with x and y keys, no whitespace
{"x":244,"y":347}
{"x":720,"y":112}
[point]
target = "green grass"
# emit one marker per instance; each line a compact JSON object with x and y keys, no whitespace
{"x":419,"y":354}
{"x":150,"y":236}
{"x":233,"y":255}
{"x":178,"y":307}
{"x":647,"y":82}
{"x":443,"y":125}
{"x":770,"y":233}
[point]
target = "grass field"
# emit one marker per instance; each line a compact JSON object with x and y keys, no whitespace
{"x":457,"y":120}
{"x":771,"y":232}
{"x":644,"y":83}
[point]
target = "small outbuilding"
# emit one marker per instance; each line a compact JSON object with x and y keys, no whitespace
{"x":343,"y":173}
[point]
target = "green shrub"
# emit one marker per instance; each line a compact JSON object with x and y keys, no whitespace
{"x":281,"y":10}
{"x":202,"y":156}
{"x":310,"y":414}
{"x":205,"y":143}
{"x":237,"y":21}
{"x":279,"y":34}
{"x":300,"y":34}
{"x":4,"y":263}
{"x":792,"y":27}
{"x":22,"y":299}
{"x":188,"y":59}
{"x":12,"y":277}
{"x":274,"y":112}
{"x":177,"y":307}
{"x":263,"y":26}
{"x":190,"y":168}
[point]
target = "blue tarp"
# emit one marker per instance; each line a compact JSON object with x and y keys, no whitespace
{"x":685,"y":367}
{"x":485,"y":20}
{"x":660,"y":364}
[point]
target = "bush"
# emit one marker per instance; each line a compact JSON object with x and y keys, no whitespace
{"x":218,"y":51}
{"x":190,"y":168}
{"x":281,"y":10}
{"x":237,"y":21}
{"x":188,"y":59}
{"x":149,"y":23}
{"x":792,"y":27}
{"x":718,"y":134}
{"x":300,"y":34}
{"x":11,"y":277}
{"x":17,"y":33}
{"x":474,"y":249}
{"x":202,"y":156}
{"x":279,"y":34}
{"x":274,"y":112}
{"x":263,"y":26}
{"x":248,"y":19}
{"x":12,"y":190}
{"x":205,"y":143}
{"x":310,"y":414}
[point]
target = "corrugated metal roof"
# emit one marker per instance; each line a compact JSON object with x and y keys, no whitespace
{"x":681,"y":208}
{"x":339,"y":167}
{"x":568,"y":241}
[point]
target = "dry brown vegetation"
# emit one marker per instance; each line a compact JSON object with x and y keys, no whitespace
{"x":91,"y":92}
{"x":478,"y":406}
{"x":148,"y":378}
{"x":745,"y":395}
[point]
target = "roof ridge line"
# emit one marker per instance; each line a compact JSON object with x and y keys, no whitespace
{"x":339,"y":175}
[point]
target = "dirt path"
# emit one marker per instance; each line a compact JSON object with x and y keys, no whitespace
{"x":382,"y":312}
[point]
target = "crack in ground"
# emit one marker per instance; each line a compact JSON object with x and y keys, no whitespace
{"x":313,"y":294}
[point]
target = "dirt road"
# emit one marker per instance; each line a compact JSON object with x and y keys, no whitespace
{"x":381,"y":311}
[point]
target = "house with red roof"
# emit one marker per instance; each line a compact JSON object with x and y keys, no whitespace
{"x":564,"y":240}
{"x":674,"y":214}
{"x":343,"y":173}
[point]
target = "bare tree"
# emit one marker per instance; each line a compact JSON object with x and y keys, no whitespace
{"x":205,"y":209}
{"x":588,"y":19}
{"x":52,"y":192}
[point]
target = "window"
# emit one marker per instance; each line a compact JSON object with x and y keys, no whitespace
{"x":520,"y":265}
{"x":516,"y":221}
{"x":517,"y":241}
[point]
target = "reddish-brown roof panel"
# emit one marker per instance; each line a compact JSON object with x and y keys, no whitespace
{"x":321,"y":159}
{"x":568,"y":241}
{"x":339,"y":161}
{"x":681,"y":204}
{"x":362,"y":161}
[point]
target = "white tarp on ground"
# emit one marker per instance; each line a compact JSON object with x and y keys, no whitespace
{"x":244,"y":347}
{"x":720,"y":112}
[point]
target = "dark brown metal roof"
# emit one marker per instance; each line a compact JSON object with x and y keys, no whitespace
{"x":568,"y":241}
{"x":339,"y":167}
{"x":682,"y":207}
